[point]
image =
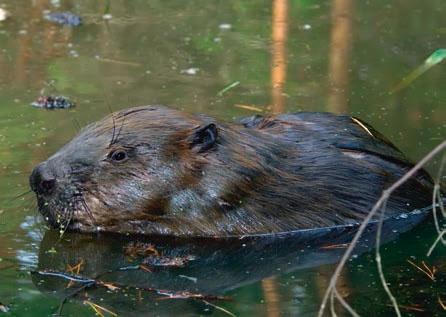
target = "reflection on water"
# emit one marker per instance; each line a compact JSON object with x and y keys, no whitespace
{"x":293,"y":55}
{"x":340,"y":50}
{"x":212,"y":267}
{"x":278,"y":51}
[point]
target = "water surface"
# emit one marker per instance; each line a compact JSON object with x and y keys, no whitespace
{"x":331,"y":56}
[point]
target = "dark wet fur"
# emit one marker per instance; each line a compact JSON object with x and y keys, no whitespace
{"x":190,"y":176}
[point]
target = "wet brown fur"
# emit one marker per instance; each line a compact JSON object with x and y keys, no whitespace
{"x":263,"y":175}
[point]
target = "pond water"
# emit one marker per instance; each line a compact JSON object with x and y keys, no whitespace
{"x":227,"y":59}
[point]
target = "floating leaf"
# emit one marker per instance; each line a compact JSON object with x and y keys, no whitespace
{"x":435,"y":58}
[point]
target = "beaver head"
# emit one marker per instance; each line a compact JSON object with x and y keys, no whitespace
{"x":118,"y":174}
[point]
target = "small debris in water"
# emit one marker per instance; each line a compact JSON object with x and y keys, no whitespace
{"x":190,"y":71}
{"x":136,"y":249}
{"x":335,"y":246}
{"x":3,"y":14}
{"x":107,"y":16}
{"x":52,"y":251}
{"x":227,"y":88}
{"x":225,"y":26}
{"x":75,"y":270}
{"x":166,"y":261}
{"x":152,"y":257}
{"x":190,"y":278}
{"x":429,"y":272}
{"x":99,"y":310}
{"x":187,"y":295}
{"x":414,"y":307}
{"x":4,"y":308}
{"x":88,"y":282}
{"x":145,"y":268}
{"x":109,"y":286}
{"x":115,"y":61}
{"x":64,"y":18}
{"x":306,"y":27}
{"x":73,"y":53}
{"x":249,"y":107}
{"x":53,"y":102}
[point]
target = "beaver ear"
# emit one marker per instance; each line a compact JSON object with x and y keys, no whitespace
{"x":204,"y":138}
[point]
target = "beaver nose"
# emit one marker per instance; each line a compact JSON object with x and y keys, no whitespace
{"x":42,"y":181}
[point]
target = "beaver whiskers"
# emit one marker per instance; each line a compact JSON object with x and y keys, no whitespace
{"x":86,"y":209}
{"x":115,"y":136}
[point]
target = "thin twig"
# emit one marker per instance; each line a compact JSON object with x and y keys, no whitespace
{"x":227,"y":88}
{"x":436,"y":196}
{"x":345,"y":304}
{"x":90,"y":282}
{"x":20,"y":195}
{"x":334,"y":246}
{"x":385,"y":195}
{"x":410,"y":308}
{"x":219,"y":308}
{"x":379,"y":263}
{"x":431,"y":249}
{"x":249,"y":107}
{"x":67,"y":297}
{"x":332,"y":308}
{"x":99,"y":309}
{"x":430,"y":273}
{"x":441,"y":303}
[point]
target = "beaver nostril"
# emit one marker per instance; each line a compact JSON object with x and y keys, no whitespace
{"x":47,"y":185}
{"x":42,"y":181}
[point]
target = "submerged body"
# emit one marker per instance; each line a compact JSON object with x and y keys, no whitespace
{"x":155,"y":170}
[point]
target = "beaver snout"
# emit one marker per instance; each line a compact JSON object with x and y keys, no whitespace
{"x":42,"y":181}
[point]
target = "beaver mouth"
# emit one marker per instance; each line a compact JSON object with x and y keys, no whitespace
{"x":65,"y":211}
{"x":79,"y":227}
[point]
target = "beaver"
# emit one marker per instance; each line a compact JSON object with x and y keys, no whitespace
{"x":156,"y":170}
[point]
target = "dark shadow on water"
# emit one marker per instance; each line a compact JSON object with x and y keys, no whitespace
{"x":216,"y":266}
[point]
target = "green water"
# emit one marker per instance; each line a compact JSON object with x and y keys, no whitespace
{"x":182,"y":54}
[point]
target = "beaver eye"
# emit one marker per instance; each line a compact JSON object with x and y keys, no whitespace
{"x":118,"y":155}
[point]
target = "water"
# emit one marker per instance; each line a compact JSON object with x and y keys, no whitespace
{"x":183,"y":54}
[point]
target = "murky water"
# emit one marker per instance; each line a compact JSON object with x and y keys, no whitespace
{"x":271,"y":56}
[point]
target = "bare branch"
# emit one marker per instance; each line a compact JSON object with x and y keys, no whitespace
{"x":385,"y":195}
